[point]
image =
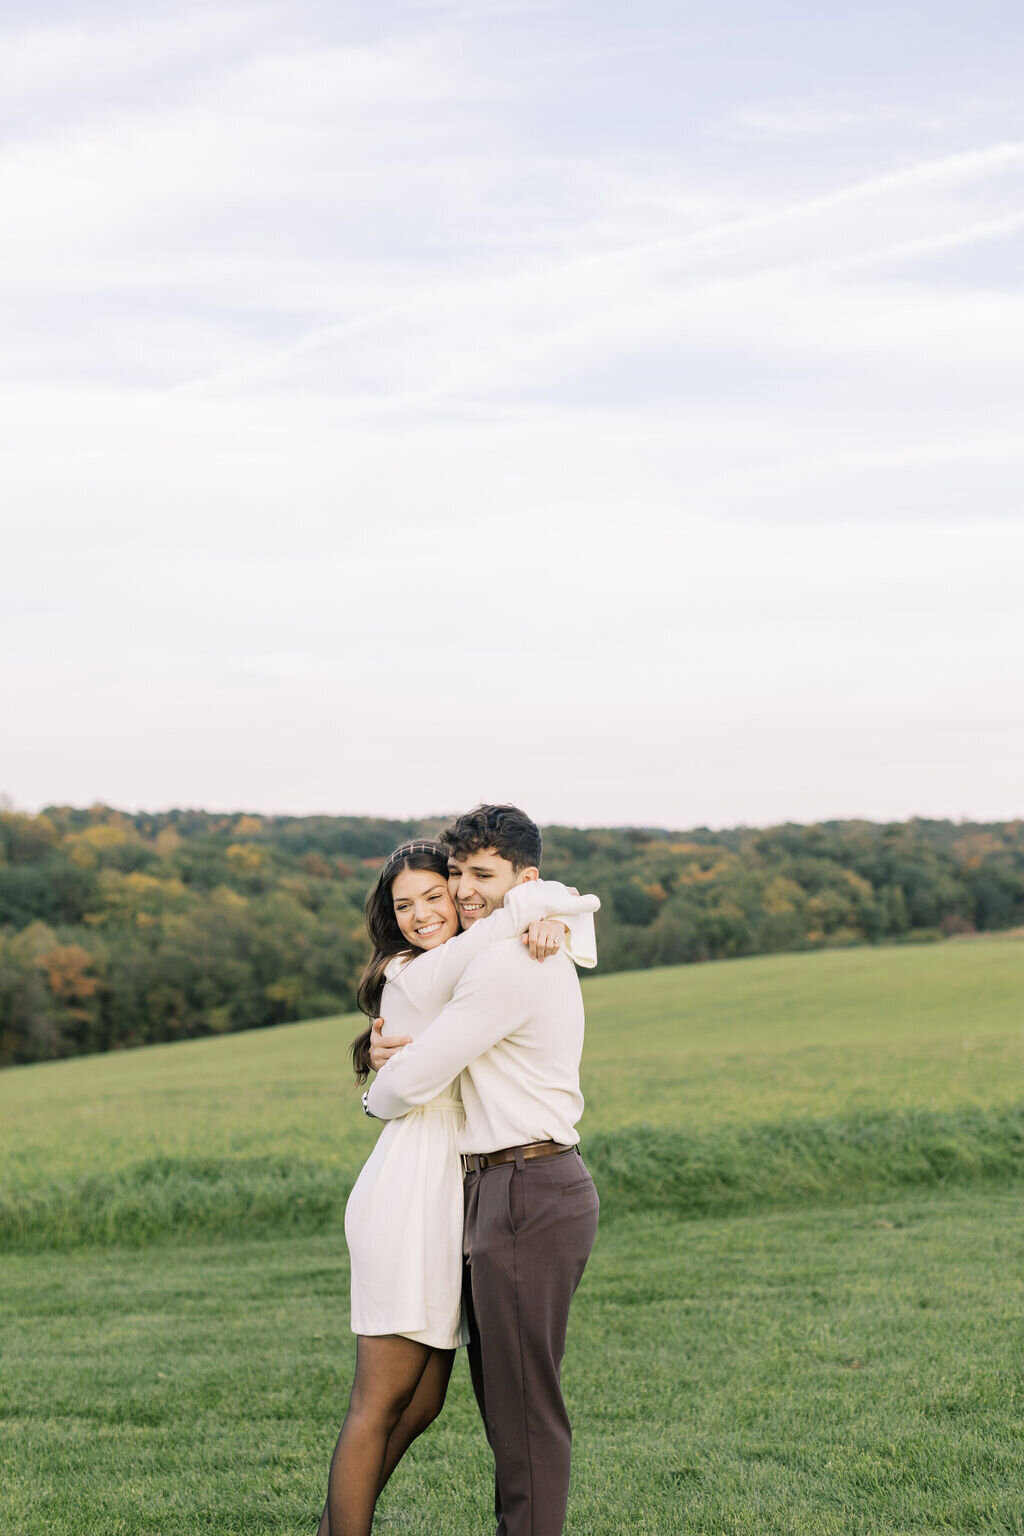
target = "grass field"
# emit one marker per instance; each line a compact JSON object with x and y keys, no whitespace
{"x":843,"y":1353}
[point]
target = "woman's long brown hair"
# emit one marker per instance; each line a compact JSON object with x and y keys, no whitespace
{"x":387,"y":938}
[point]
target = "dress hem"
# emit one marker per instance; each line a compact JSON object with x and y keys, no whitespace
{"x":418,"y":1336}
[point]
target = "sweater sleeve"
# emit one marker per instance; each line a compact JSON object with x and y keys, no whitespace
{"x":492,"y":999}
{"x":430,"y":979}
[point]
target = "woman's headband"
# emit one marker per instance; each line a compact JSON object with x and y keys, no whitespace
{"x":420,"y":845}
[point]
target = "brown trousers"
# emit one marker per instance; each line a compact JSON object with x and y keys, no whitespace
{"x":529,"y":1229}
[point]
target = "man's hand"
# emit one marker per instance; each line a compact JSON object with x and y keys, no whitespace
{"x":545,"y":937}
{"x":383,"y":1047}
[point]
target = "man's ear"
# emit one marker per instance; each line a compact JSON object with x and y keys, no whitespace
{"x":531,"y":873}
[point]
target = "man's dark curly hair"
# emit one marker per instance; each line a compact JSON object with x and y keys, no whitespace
{"x":505,"y":828}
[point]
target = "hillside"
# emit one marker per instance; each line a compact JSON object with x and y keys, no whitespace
{"x":712,"y":1087}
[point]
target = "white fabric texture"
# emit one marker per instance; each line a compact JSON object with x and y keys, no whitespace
{"x":403,"y":1221}
{"x":514,"y":1031}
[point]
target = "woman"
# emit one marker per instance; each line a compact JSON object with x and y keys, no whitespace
{"x":403,"y":1222}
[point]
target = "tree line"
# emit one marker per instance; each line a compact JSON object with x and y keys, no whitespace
{"x":119,"y":930}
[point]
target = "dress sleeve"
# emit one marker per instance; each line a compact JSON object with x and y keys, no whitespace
{"x":430,"y":979}
{"x":490,"y":1001}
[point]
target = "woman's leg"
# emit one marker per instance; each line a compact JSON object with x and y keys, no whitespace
{"x":388,"y":1372}
{"x":427,"y":1402}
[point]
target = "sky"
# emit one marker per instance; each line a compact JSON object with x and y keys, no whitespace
{"x":616,"y":411}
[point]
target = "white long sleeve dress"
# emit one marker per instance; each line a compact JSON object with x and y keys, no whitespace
{"x":403,"y":1221}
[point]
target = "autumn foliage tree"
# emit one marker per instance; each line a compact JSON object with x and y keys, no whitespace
{"x":118,"y":930}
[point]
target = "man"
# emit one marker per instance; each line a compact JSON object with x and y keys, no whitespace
{"x":513,"y":1034}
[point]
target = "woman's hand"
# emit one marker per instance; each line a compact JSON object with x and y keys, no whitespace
{"x":382,"y":1047}
{"x":545,"y":937}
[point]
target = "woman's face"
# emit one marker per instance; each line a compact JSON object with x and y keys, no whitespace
{"x":424,"y":910}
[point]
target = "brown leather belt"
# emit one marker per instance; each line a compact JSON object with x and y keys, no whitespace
{"x":476,"y":1162}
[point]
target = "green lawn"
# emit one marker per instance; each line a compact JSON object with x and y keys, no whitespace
{"x":854,"y":1370}
{"x":844,"y":1354}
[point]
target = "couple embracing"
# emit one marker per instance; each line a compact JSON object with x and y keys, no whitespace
{"x":474,"y":1216}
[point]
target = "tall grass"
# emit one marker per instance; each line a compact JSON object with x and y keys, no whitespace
{"x":643,"y":1168}
{"x":786,"y":1162}
{"x":164,"y":1196}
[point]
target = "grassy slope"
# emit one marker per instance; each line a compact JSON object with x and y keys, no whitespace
{"x":793,"y":1035}
{"x":695,"y":1046}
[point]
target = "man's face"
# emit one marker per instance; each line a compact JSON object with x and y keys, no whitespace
{"x":479,"y":881}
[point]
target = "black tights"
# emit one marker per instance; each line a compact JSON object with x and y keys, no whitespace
{"x":398,"y":1390}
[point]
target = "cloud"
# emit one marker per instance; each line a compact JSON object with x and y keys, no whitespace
{"x":327,"y":382}
{"x":817,"y":117}
{"x":54,"y":75}
{"x":731,"y":638}
{"x":779,"y":279}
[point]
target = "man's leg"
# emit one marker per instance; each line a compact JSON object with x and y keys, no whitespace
{"x":529,"y":1233}
{"x":476,"y":1370}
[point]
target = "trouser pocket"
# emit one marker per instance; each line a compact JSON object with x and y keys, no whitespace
{"x":517,"y":1199}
